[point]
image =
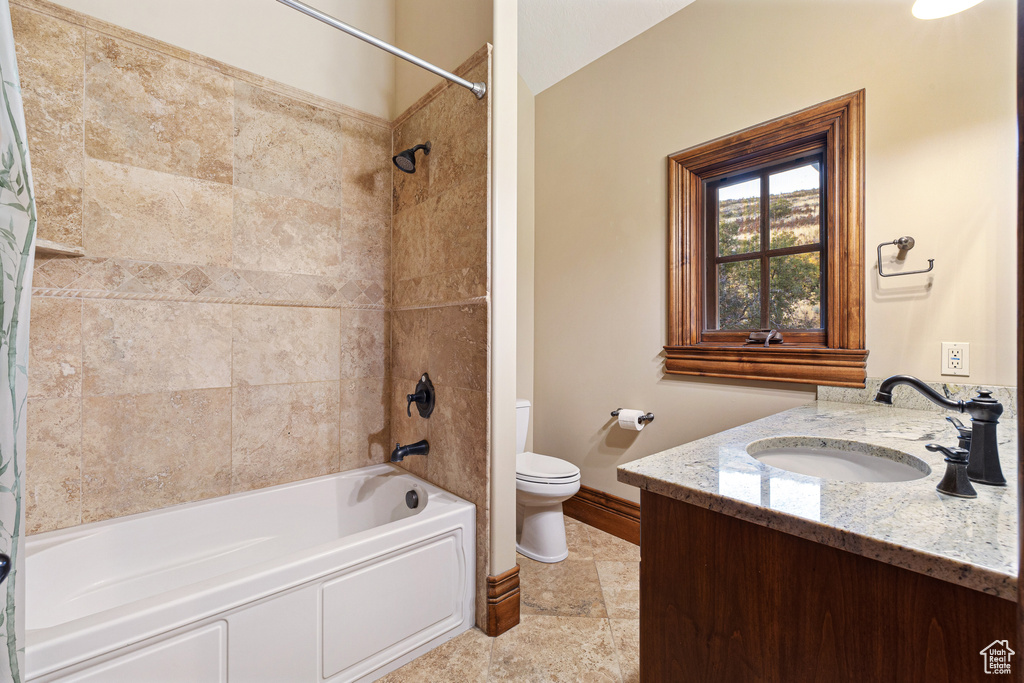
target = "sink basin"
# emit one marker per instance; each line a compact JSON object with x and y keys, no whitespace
{"x":838,"y":459}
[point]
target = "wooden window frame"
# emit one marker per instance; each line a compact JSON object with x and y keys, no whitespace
{"x":839,"y":359}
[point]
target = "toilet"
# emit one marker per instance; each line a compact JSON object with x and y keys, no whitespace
{"x":542,"y":483}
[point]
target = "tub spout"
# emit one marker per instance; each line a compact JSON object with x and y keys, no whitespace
{"x":418,"y":448}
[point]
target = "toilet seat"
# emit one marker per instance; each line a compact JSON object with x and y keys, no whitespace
{"x":552,"y":481}
{"x":544,"y":469}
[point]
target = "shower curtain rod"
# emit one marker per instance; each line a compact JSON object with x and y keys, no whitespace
{"x":479,"y":89}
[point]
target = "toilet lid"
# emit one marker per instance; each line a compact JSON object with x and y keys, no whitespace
{"x":537,"y":467}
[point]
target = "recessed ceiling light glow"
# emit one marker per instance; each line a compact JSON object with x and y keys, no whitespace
{"x":935,"y":9}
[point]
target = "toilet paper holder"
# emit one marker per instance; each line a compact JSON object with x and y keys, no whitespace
{"x":644,"y":419}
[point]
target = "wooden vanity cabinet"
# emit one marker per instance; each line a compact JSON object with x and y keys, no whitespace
{"x":722,"y":599}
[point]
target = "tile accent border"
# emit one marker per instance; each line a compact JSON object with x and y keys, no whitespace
{"x":502,"y":602}
{"x":114,"y":31}
{"x":126,"y":279}
{"x":131,"y":296}
{"x":444,"y":304}
{"x":611,"y":514}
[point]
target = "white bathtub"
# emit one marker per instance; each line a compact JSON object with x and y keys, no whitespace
{"x":329,"y":579}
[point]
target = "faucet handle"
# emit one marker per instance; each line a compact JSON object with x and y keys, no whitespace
{"x":953,"y":455}
{"x":963,"y":433}
{"x":958,"y":424}
{"x":955,"y":481}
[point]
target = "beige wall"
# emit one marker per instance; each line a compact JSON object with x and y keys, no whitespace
{"x":504,"y":200}
{"x":443,"y":32}
{"x":525,"y":251}
{"x":226,"y":329}
{"x":940,"y":167}
{"x":274,"y":41}
{"x":440,"y":307}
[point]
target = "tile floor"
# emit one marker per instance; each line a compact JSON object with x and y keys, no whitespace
{"x":580,"y":622}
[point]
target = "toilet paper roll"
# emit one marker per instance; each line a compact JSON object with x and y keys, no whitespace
{"x":630,"y":419}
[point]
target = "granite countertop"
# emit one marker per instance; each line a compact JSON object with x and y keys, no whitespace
{"x":970,"y":542}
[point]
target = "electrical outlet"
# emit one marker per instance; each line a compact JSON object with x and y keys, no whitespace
{"x":956,"y":358}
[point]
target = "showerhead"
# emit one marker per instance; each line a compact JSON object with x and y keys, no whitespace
{"x":406,"y":161}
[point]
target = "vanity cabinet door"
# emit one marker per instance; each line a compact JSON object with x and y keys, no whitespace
{"x":723,"y":599}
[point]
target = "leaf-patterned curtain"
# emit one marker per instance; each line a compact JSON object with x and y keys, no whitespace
{"x":17,"y":248}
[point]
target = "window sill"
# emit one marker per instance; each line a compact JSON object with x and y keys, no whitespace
{"x":779,"y":363}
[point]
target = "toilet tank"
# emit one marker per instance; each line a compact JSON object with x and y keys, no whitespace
{"x":522,"y":423}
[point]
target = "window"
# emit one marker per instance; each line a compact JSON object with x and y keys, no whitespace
{"x":766,"y":231}
{"x":765,"y":250}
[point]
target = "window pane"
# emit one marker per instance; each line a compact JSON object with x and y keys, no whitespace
{"x":739,"y":218}
{"x":795,"y":282}
{"x":795,"y":206}
{"x":739,"y":297}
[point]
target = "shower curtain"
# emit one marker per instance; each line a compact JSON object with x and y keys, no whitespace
{"x":17,"y":248}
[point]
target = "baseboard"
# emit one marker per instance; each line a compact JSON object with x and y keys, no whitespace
{"x":611,"y":514}
{"x":502,"y":602}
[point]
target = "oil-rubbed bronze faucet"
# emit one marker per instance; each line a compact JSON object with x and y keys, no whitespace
{"x":983,"y":460}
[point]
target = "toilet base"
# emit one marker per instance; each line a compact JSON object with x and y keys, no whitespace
{"x":541,"y":534}
{"x":549,"y":560}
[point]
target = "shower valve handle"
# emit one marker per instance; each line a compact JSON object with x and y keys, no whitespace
{"x":417,"y":398}
{"x":423,"y":397}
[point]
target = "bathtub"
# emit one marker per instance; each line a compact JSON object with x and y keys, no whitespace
{"x":329,"y":579}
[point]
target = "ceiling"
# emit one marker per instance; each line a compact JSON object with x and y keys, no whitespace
{"x":559,"y":37}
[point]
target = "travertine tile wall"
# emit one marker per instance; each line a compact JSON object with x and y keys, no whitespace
{"x":228,"y":328}
{"x":440,"y":307}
